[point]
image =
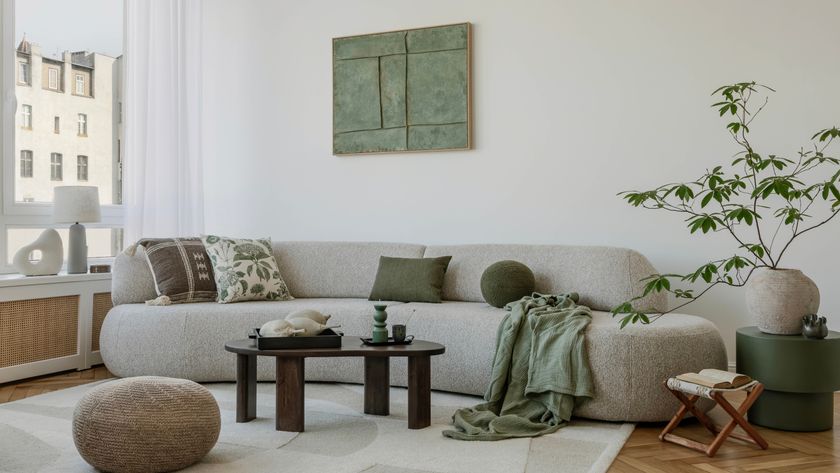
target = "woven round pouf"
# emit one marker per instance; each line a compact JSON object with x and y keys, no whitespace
{"x":146,"y":424}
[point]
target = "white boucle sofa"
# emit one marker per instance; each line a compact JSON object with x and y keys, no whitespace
{"x":629,"y":365}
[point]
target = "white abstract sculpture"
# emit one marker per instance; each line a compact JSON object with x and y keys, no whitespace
{"x":309,"y":326}
{"x":309,"y":314}
{"x":279,"y":328}
{"x":52,"y":255}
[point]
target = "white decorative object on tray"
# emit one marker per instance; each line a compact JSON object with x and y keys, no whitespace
{"x":279,"y":328}
{"x":52,"y":255}
{"x":309,"y":314}
{"x":309,"y":326}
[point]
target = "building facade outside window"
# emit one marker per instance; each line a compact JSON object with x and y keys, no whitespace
{"x":53,"y":78}
{"x":56,"y":171}
{"x":50,"y":77}
{"x":25,"y":163}
{"x":82,"y":124}
{"x":82,"y":168}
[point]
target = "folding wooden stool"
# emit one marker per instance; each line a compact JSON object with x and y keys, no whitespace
{"x":689,"y":393}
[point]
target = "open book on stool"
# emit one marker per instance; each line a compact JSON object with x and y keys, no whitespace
{"x":712,"y":384}
{"x":717,"y":379}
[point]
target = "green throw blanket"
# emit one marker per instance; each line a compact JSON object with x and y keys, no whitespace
{"x":540,"y":371}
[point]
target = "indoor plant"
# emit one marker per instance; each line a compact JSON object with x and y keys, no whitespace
{"x":764,"y":202}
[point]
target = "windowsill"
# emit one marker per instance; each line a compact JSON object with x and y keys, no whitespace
{"x":13,"y":280}
{"x":82,"y":136}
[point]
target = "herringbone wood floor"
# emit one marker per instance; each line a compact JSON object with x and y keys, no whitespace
{"x":789,"y":452}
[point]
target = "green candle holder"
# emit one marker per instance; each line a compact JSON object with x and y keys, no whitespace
{"x":380,"y":330}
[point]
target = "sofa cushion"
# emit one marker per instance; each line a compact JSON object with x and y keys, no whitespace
{"x":603,"y":276}
{"x":245,"y":269}
{"x":181,"y":269}
{"x":335,"y":269}
{"x":409,"y":279}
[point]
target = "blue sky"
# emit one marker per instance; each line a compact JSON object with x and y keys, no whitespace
{"x":59,"y":25}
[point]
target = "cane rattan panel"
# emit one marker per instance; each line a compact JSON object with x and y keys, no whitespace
{"x":38,"y":329}
{"x":101,"y":305}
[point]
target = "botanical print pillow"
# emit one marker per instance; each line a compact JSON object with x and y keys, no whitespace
{"x":245,"y":270}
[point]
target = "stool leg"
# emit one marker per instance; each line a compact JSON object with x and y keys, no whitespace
{"x":738,"y":414}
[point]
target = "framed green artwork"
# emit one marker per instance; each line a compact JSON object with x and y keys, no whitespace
{"x":399,"y":91}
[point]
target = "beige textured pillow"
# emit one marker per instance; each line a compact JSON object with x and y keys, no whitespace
{"x":245,"y":269}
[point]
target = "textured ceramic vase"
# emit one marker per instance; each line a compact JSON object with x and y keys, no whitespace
{"x":777,"y":299}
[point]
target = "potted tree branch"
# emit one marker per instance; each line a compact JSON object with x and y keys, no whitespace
{"x":764,"y":203}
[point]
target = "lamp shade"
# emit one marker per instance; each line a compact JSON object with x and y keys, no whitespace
{"x":76,"y":204}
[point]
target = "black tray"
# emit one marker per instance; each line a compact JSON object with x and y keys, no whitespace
{"x":327,"y":339}
{"x":391,"y":341}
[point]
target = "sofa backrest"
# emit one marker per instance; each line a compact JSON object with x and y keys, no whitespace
{"x":335,"y":269}
{"x":603,"y":276}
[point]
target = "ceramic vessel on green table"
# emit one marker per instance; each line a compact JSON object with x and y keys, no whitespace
{"x":799,"y":375}
{"x":778,"y":299}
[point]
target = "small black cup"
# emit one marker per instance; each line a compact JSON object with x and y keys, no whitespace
{"x":398,"y":332}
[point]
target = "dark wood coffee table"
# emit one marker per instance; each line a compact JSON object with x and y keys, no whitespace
{"x":290,"y":379}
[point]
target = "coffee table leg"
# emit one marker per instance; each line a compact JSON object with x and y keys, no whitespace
{"x":290,"y":394}
{"x":377,"y":385}
{"x":419,"y":392}
{"x":246,"y":388}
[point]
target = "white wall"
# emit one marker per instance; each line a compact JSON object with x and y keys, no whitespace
{"x":574,"y":101}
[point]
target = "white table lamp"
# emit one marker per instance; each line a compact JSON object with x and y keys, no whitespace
{"x":76,"y":205}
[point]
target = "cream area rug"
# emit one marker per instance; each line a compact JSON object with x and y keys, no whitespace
{"x":35,"y":436}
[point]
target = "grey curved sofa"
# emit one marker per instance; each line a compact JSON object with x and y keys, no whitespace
{"x":629,"y":365}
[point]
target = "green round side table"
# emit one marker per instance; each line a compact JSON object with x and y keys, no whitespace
{"x":799,"y":375}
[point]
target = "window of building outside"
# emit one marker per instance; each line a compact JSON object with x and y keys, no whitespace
{"x":56,"y":173}
{"x":87,"y":42}
{"x":23,"y":73}
{"x":81,"y":168}
{"x":53,"y":73}
{"x":25,"y":163}
{"x":82,"y":124}
{"x":26,"y":116}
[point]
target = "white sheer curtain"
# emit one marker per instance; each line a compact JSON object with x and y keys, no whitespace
{"x":163,"y":189}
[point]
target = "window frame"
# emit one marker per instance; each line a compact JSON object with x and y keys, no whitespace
{"x":56,"y":167}
{"x":26,"y":116}
{"x":51,"y":76}
{"x":27,"y":163}
{"x":79,"y":167}
{"x":80,"y":80}
{"x":57,"y":125}
{"x":81,"y":124}
{"x":26,"y":214}
{"x":24,"y":69}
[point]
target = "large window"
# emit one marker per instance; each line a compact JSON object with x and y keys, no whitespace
{"x":25,"y":163}
{"x":82,"y":168}
{"x":56,"y":167}
{"x":47,"y":70}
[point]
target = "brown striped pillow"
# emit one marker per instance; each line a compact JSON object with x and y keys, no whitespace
{"x":181,"y":270}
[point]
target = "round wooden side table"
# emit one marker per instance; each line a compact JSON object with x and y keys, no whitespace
{"x":799,"y":375}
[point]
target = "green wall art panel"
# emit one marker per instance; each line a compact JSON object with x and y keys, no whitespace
{"x":406,"y":90}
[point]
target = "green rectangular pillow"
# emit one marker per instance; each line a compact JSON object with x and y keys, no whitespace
{"x":409,"y":279}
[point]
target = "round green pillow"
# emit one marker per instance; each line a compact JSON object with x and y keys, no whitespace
{"x":506,"y":281}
